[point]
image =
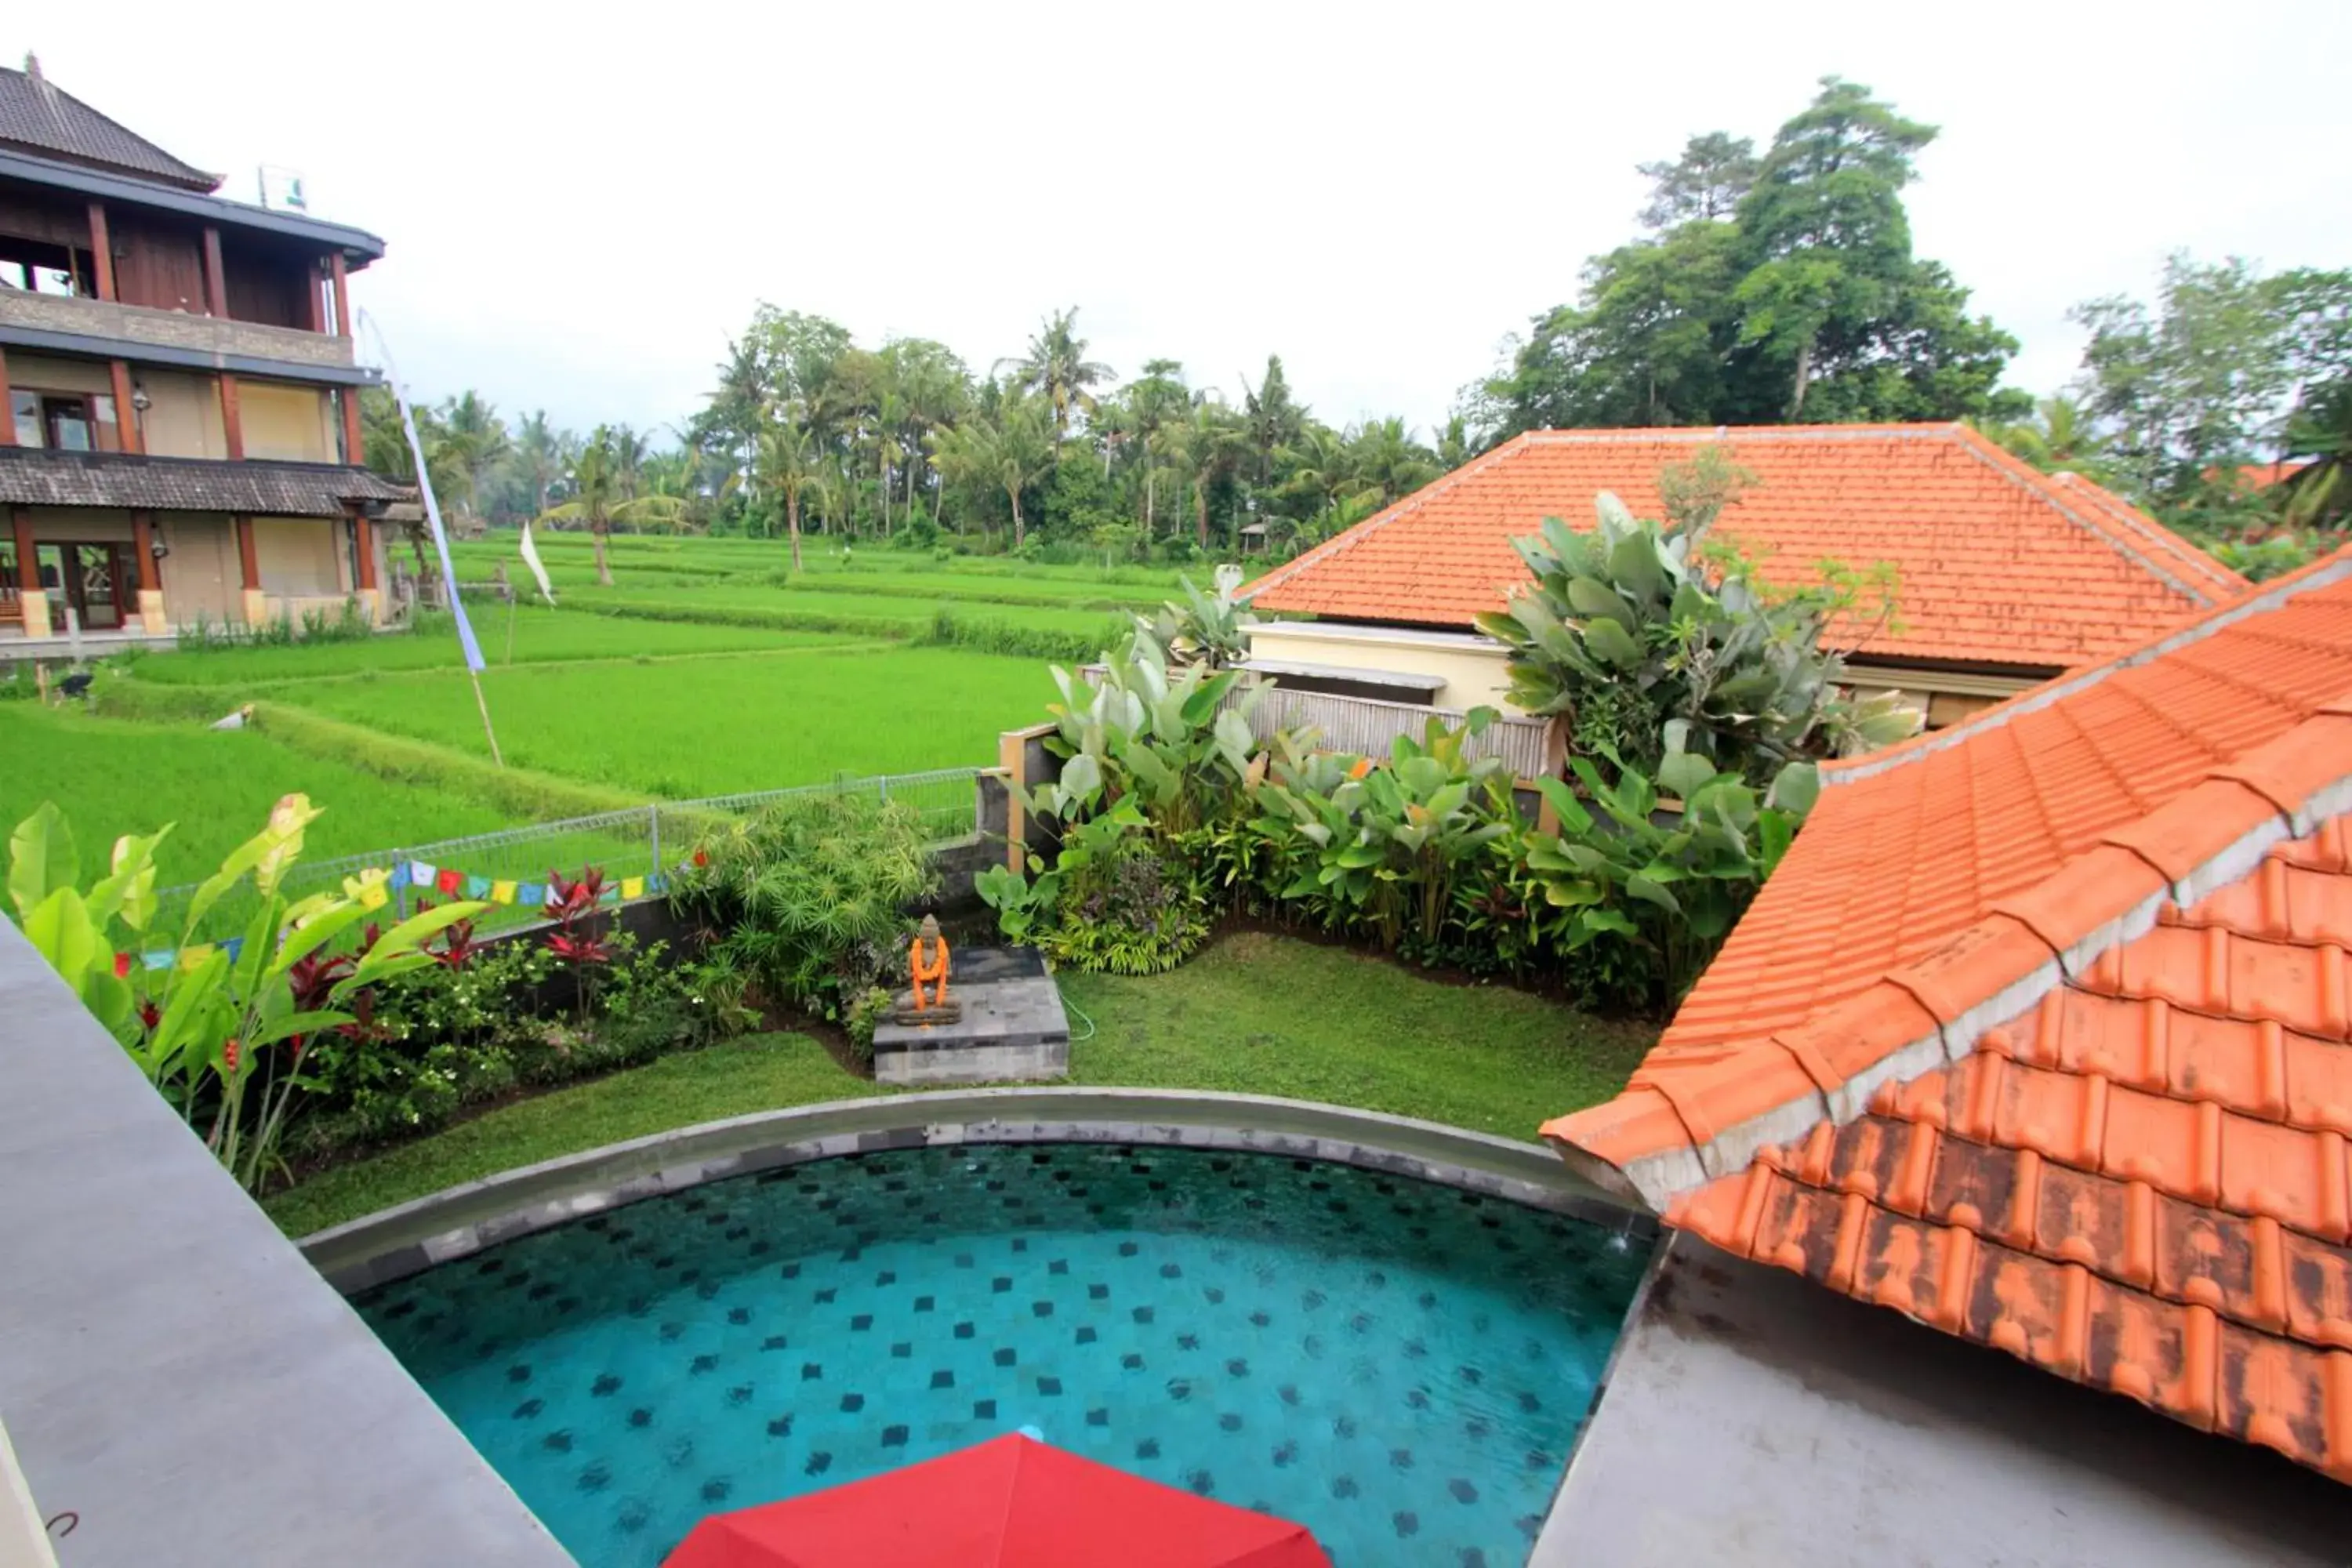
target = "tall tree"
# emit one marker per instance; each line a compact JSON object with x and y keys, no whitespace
{"x":1271,"y":415}
{"x":1208,"y":445}
{"x":1009,"y":447}
{"x":1705,"y":184}
{"x":1057,"y":368}
{"x":788,"y":465}
{"x":2206,"y":381}
{"x":1805,"y":302}
{"x":598,"y":502}
{"x":538,"y":455}
{"x":473,"y":440}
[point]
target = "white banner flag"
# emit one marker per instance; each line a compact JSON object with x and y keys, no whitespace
{"x":537,"y":568}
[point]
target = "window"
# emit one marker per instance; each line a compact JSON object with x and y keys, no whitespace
{"x":65,"y":421}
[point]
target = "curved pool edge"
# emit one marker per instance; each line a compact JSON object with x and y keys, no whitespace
{"x":394,"y":1243}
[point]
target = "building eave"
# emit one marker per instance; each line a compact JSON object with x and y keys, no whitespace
{"x":358,"y":246}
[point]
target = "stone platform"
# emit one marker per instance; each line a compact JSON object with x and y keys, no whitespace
{"x":1012,"y":1030}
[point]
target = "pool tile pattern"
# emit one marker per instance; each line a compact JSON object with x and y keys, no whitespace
{"x":1401,"y":1367}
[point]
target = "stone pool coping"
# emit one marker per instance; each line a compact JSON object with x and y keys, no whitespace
{"x":396,"y":1242}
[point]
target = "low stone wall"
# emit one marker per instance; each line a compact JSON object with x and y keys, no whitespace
{"x":464,"y":1219}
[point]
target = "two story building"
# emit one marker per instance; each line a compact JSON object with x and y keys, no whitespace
{"x":179,"y":398}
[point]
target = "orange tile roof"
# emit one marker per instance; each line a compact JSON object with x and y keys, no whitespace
{"x":1996,"y":561}
{"x":2042,"y":1033}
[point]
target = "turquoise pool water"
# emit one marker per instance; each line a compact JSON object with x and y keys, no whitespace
{"x":1400,"y":1367}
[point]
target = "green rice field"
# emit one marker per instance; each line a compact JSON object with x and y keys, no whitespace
{"x":707,"y":669}
{"x":680,"y":731}
{"x":112,"y":776}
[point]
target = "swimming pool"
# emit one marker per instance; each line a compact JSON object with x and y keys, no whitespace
{"x":1399,"y":1365}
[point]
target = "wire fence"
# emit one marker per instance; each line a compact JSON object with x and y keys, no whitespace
{"x":642,"y":844}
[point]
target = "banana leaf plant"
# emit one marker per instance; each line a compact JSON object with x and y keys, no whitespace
{"x":1648,"y":651}
{"x":1165,"y":738}
{"x":1390,"y":844}
{"x":222,"y":1026}
{"x":1669,"y":882}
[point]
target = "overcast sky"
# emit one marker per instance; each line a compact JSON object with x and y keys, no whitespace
{"x":582,"y":206}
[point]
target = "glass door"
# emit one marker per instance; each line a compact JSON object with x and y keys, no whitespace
{"x":98,"y":586}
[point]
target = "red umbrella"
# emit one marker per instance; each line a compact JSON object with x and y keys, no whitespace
{"x":1009,"y":1503}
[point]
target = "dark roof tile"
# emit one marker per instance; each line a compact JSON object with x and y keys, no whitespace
{"x":41,"y":119}
{"x":32,"y":476}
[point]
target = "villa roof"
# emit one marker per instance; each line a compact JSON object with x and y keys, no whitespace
{"x":44,"y":121}
{"x":2043,"y":1032}
{"x":1997,"y":562}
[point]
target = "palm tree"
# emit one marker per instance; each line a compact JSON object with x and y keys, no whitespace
{"x":1157,"y":398}
{"x":889,"y":415}
{"x":630,"y":450}
{"x":474,"y":438}
{"x":1271,"y":416}
{"x":538,"y":453}
{"x":2321,"y":429}
{"x":1387,"y":461}
{"x":1207,"y":444}
{"x":788,"y":466}
{"x":1011,"y":450}
{"x":596,"y":500}
{"x":1056,"y":367}
{"x":2060,"y":435}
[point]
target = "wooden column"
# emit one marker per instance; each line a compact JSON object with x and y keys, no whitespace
{"x":247,"y":559}
{"x":102,"y":250}
{"x":364,"y":538}
{"x":343,"y":296}
{"x":354,"y":448}
{"x":232,"y":417}
{"x":7,"y":408}
{"x":126,"y":418}
{"x":143,"y":544}
{"x":216,"y":277}
{"x":28,"y":568}
{"x":317,"y":297}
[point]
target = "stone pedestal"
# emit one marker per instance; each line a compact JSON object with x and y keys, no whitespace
{"x":257,"y":607}
{"x":1012,"y":1028}
{"x":35,"y":603}
{"x":152,"y":619}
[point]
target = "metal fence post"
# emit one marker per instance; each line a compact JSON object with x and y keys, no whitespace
{"x":653,"y":817}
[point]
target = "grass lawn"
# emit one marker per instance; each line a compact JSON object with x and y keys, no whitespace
{"x":1255,"y":1013}
{"x":539,"y":634}
{"x":114,"y":776}
{"x":864,"y":603}
{"x":713,"y":726}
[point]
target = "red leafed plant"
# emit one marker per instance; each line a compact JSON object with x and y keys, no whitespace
{"x":572,"y":905}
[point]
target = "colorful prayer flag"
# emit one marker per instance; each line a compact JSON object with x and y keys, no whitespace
{"x":157,"y":958}
{"x":233,"y":946}
{"x":372,"y":896}
{"x":420,"y":875}
{"x":659,"y":882}
{"x":632,"y":887}
{"x":502,"y":892}
{"x":192,"y":958}
{"x":450,"y":880}
{"x":477,"y":887}
{"x":532,"y":893}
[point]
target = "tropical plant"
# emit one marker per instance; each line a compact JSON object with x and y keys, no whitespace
{"x":1165,"y":738}
{"x":1057,"y":368}
{"x":1207,"y":629}
{"x":807,"y":896}
{"x":1388,"y":847}
{"x":572,"y":904}
{"x":787,"y":468}
{"x":224,"y":1032}
{"x":2319,"y":494}
{"x":598,"y":500}
{"x":1672,"y":887}
{"x":1008,"y":451}
{"x":1647,"y":652}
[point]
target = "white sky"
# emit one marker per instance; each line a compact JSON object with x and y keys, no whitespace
{"x":583,"y":202}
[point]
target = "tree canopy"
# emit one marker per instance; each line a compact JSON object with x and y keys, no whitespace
{"x":1770,"y":288}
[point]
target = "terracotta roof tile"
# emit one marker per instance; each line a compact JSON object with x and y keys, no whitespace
{"x":1996,"y":561}
{"x":2124,"y":1150}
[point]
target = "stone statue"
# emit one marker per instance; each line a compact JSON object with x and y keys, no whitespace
{"x":927,"y":965}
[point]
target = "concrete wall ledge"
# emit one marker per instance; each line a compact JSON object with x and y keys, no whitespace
{"x":463,"y":1219}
